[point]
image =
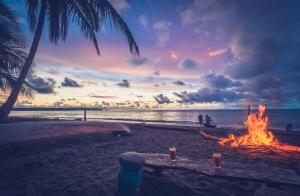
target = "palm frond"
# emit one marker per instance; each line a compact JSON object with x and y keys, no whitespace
{"x":54,"y":12}
{"x":64,"y":24}
{"x":32,"y":6}
{"x":84,"y":24}
{"x":107,"y":11}
{"x":7,"y":14}
{"x":90,"y":12}
{"x":8,"y":81}
{"x":12,"y":56}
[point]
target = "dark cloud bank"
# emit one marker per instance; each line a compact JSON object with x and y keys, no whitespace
{"x":221,"y":81}
{"x":207,"y":95}
{"x":124,"y":84}
{"x":179,"y":83}
{"x":161,"y":99}
{"x":268,"y":50}
{"x":264,"y":41}
{"x":140,"y":61}
{"x":43,"y":85}
{"x":188,"y":64}
{"x":68,"y":82}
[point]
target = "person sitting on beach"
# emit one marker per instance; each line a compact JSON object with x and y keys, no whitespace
{"x":200,"y":118}
{"x":208,"y":119}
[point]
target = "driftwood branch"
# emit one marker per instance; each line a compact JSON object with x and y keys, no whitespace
{"x":208,"y":137}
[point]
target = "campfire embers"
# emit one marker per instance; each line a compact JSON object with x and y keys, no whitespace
{"x":257,"y":134}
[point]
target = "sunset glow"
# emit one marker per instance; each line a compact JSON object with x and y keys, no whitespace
{"x":186,"y":54}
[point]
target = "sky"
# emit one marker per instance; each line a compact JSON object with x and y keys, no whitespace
{"x":194,"y":54}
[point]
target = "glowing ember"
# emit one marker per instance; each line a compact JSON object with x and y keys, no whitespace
{"x":257,"y":134}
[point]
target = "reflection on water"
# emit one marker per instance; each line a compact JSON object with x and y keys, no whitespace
{"x":224,"y":118}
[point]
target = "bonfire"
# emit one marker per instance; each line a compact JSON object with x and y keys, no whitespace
{"x":257,"y":134}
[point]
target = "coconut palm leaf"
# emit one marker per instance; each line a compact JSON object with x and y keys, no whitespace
{"x":89,"y":15}
{"x":12,"y":56}
{"x":32,"y":6}
{"x":106,"y":11}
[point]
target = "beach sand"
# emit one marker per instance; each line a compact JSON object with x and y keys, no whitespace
{"x":84,"y":162}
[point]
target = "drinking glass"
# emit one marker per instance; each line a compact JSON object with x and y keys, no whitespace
{"x":217,"y":159}
{"x":172,"y":152}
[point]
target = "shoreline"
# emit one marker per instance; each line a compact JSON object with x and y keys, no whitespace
{"x":26,"y":129}
{"x":192,"y":125}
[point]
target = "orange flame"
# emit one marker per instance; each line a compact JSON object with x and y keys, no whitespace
{"x":257,"y":134}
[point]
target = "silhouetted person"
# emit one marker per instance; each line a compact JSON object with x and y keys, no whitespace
{"x":208,"y":119}
{"x":200,"y":118}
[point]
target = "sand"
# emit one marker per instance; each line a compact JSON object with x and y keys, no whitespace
{"x":86,"y":163}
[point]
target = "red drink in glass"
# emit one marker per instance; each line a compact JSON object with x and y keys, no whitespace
{"x":217,"y":159}
{"x":172,"y":152}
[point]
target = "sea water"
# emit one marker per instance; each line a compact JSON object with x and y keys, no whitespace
{"x":278,"y":118}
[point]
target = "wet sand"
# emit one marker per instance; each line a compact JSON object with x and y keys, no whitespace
{"x":86,"y":163}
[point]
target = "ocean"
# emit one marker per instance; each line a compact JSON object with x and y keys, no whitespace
{"x":278,"y":118}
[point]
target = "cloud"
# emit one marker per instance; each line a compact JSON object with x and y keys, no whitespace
{"x":120,"y":5}
{"x":137,"y":103}
{"x":206,"y":95}
{"x":163,"y":38}
{"x":188,"y":64}
{"x":267,"y":62}
{"x":201,"y":11}
{"x":161,"y":28}
{"x":143,"y":19}
{"x":68,"y":82}
{"x":270,"y":90}
{"x":102,"y":96}
{"x":156,"y":73}
{"x":161,"y":25}
{"x":263,"y":45}
{"x":124,"y":84}
{"x":105,"y":103}
{"x":161,"y":99}
{"x":58,"y":104}
{"x":179,"y":83}
{"x":24,"y":103}
{"x":221,"y":81}
{"x":173,"y":55}
{"x":43,"y":86}
{"x":187,"y":16}
{"x":138,"y":61}
{"x":217,"y":52}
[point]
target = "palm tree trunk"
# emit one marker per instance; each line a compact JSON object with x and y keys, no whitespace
{"x":11,"y":100}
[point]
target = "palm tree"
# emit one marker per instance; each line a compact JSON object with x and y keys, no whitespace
{"x":89,"y":16}
{"x":12,"y":56}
